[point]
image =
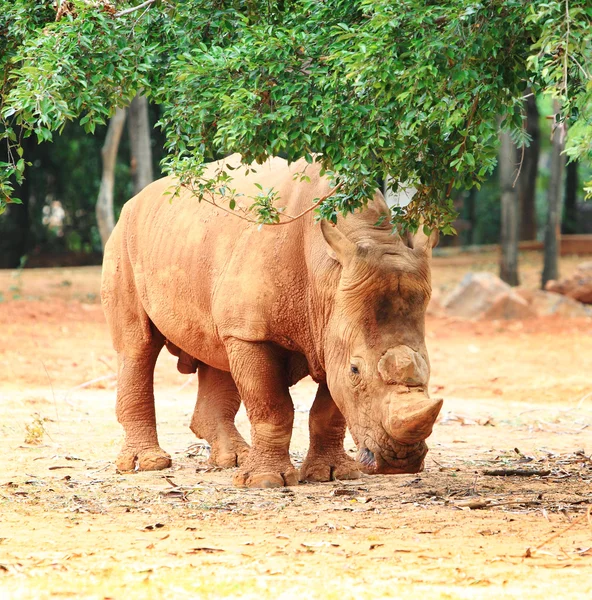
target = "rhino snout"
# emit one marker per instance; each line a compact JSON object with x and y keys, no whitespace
{"x":396,"y":459}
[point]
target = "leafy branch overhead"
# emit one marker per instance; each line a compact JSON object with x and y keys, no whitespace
{"x":411,"y":89}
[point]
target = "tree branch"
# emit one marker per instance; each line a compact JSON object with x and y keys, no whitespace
{"x":292,"y":219}
{"x":464,"y":142}
{"x":566,"y":57}
{"x":519,"y":166}
{"x":127,"y":11}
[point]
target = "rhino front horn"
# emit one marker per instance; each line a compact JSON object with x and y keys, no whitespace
{"x":412,"y":420}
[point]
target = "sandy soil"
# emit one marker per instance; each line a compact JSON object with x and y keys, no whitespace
{"x":518,"y":395}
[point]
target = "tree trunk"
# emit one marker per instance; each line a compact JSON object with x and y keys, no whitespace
{"x":104,"y":207}
{"x":554,"y":197}
{"x":16,"y":232}
{"x":140,"y":146}
{"x":471,"y":217}
{"x":510,"y":225}
{"x":570,"y":212}
{"x":16,"y":242}
{"x":529,"y":172}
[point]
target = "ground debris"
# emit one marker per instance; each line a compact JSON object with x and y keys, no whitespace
{"x":344,"y":492}
{"x":205,"y":549}
{"x":152,"y":527}
{"x":320,"y":544}
{"x":587,"y":516}
{"x":464,"y":420}
{"x":516,"y":473}
{"x":478,"y":503}
{"x":198,"y":450}
{"x":418,"y":530}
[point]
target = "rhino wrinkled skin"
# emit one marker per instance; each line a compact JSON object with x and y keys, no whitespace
{"x":255,"y":310}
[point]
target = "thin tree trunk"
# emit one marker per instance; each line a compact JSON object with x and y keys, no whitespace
{"x":554,"y":197}
{"x":17,"y":231}
{"x":471,"y":212}
{"x":510,"y":225}
{"x":140,"y":146}
{"x":104,"y":207}
{"x":529,"y":172}
{"x":570,"y":212}
{"x":16,"y":240}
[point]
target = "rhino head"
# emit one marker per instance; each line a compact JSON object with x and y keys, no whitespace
{"x":375,"y":355}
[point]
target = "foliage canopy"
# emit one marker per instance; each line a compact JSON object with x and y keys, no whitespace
{"x":412,"y":89}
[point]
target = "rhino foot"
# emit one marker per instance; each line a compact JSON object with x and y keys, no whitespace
{"x":228,"y":458}
{"x":266,"y":480}
{"x":264,"y":471}
{"x":329,"y":467}
{"x":147,"y":459}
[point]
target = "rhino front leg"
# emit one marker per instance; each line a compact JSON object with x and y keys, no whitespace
{"x":326,"y":459}
{"x":135,"y":411}
{"x":260,"y":375}
{"x":218,"y":402}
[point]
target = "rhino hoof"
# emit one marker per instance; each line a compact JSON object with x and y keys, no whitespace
{"x":322,"y":468}
{"x":265,"y":480}
{"x":227,"y":460}
{"x":151,"y":459}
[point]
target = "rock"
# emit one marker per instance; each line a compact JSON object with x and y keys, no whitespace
{"x":435,"y":308}
{"x":578,"y":286}
{"x":485,"y":296}
{"x":509,"y":305}
{"x":549,"y":303}
{"x":474,"y":294}
{"x":568,"y":307}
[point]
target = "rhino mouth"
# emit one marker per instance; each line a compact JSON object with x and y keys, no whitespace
{"x":395,"y":460}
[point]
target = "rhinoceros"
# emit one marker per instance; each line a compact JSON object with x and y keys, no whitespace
{"x":256,"y":309}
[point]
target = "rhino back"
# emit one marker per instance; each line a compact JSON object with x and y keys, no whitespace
{"x":203,"y":275}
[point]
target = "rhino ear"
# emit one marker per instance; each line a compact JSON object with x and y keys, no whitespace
{"x":423,"y":242}
{"x":339,"y":248}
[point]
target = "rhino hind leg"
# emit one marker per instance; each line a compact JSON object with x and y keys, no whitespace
{"x":218,"y":402}
{"x":135,"y":411}
{"x":259,"y":370}
{"x":137,"y":343}
{"x":326,"y":459}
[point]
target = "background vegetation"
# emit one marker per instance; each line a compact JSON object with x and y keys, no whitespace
{"x":416,"y":90}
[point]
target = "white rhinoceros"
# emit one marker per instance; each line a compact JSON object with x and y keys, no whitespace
{"x":256,"y":309}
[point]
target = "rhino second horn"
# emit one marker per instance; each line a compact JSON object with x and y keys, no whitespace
{"x":412,"y":421}
{"x":404,"y":365}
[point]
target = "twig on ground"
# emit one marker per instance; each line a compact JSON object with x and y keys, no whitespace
{"x":581,"y":400}
{"x":516,"y":473}
{"x":107,"y":364}
{"x":190,"y":380}
{"x":583,"y":455}
{"x":477,"y":503}
{"x":587,"y":515}
{"x":55,"y":404}
{"x":442,"y":467}
{"x":87,"y":383}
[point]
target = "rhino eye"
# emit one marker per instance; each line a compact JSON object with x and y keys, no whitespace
{"x":355,"y":370}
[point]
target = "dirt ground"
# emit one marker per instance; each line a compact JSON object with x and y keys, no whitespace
{"x":517,"y":395}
